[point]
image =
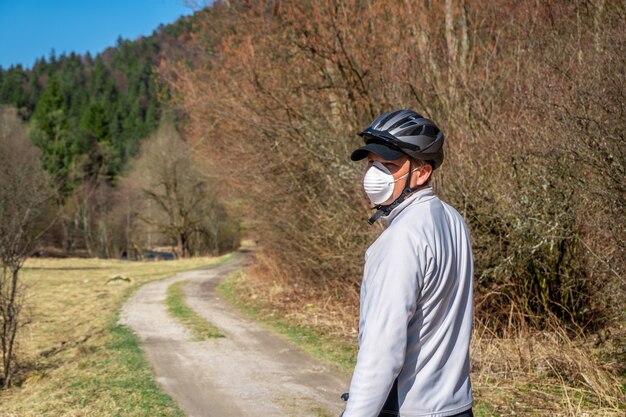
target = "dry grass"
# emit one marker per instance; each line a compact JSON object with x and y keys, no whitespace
{"x":73,"y":358}
{"x":543,"y":373}
{"x":312,"y":335}
{"x":334,"y":310}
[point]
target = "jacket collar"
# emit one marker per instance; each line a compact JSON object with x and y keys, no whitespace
{"x":415,"y":198}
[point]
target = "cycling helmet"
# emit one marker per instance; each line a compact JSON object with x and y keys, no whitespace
{"x":402,"y":132}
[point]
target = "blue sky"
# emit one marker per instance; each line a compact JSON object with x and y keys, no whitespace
{"x":30,"y":29}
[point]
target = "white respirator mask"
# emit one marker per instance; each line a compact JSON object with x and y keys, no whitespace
{"x":379,"y":183}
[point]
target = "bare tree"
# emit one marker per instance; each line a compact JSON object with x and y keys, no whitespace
{"x":24,"y":196}
{"x":179,"y":201}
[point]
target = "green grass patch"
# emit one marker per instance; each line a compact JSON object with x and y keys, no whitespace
{"x":130,"y":390}
{"x":324,"y":347}
{"x":175,"y":301}
{"x":481,"y":409}
{"x":320,"y":412}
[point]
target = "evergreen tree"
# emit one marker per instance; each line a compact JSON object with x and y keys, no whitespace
{"x":89,"y":114}
{"x":12,"y":87}
{"x":96,"y":122}
{"x":50,"y":133}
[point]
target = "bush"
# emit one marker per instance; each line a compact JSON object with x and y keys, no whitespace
{"x":535,"y":149}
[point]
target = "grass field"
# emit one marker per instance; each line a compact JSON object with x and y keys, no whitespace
{"x":74,"y":358}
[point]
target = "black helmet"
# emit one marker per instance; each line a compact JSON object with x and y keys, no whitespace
{"x":405,"y":131}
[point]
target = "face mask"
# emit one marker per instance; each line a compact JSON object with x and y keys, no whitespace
{"x":378,"y":183}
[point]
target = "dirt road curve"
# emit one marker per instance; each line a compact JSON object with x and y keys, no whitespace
{"x":248,"y":373}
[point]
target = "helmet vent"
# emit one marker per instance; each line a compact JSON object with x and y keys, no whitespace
{"x":430,"y":131}
{"x":390,"y":116}
{"x":412,"y":131}
{"x":397,"y":124}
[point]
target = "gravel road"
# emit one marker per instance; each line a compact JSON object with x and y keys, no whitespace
{"x":250,"y":372}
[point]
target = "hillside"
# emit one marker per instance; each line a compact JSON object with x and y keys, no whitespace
{"x":97,"y":122}
{"x":89,"y":113}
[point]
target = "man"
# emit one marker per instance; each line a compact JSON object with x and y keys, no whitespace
{"x":416,"y":294}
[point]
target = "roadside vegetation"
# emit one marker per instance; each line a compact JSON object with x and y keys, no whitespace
{"x":236,"y":290}
{"x":524,"y":373}
{"x":73,"y":357}
{"x":176,"y":306}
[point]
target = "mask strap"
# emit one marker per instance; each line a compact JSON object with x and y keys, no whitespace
{"x":376,"y":215}
{"x":408,"y":173}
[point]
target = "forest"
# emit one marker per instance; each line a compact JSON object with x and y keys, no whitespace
{"x":88,"y":117}
{"x":266,"y":98}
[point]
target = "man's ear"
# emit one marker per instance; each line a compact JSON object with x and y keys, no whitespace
{"x":423,"y":174}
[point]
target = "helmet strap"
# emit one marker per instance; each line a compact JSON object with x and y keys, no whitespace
{"x":385,"y":210}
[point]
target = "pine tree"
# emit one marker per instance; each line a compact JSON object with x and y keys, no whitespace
{"x":50,"y":133}
{"x":12,"y":87}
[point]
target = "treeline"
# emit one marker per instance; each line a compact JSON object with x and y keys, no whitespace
{"x":89,"y":117}
{"x":530,"y":96}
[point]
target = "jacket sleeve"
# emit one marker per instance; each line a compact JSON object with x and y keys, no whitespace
{"x":388,"y":301}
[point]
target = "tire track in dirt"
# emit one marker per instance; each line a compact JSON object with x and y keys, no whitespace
{"x":251,"y":372}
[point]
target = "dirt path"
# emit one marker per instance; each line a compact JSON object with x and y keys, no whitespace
{"x":250,"y":372}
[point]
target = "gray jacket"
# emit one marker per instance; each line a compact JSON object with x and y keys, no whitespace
{"x":416,"y":315}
